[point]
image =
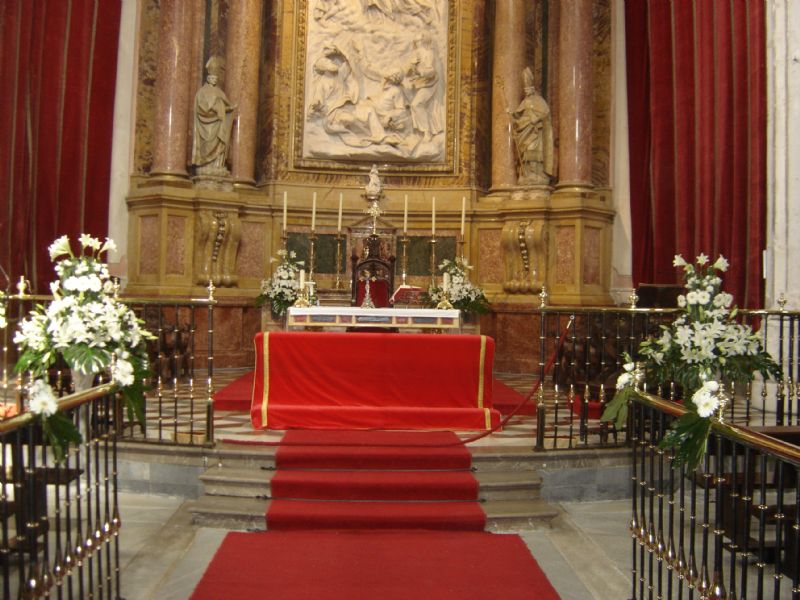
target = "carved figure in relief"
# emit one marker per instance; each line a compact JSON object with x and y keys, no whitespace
{"x":533,"y":135}
{"x":374,"y":185}
{"x":213,"y":120}
{"x":423,"y":79}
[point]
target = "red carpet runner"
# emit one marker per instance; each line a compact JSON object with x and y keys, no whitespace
{"x":388,"y":565}
{"x":373,"y":480}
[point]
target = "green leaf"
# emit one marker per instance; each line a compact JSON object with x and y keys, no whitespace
{"x":617,"y":409}
{"x":689,"y":436}
{"x":60,"y":432}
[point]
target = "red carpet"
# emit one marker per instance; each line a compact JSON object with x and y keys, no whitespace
{"x":389,"y":565}
{"x":373,"y":480}
{"x":237,"y":395}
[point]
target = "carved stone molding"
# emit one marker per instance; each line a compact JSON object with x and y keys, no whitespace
{"x":525,"y":256}
{"x":217,"y":236}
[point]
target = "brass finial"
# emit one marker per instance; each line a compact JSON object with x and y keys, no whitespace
{"x":782,"y":301}
{"x":22,"y":285}
{"x":211,"y":289}
{"x":633,"y":298}
{"x":543,"y":297}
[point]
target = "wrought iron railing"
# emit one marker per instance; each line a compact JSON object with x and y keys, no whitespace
{"x":729,"y":530}
{"x":59,"y":522}
{"x":179,"y":402}
{"x":572,"y":397}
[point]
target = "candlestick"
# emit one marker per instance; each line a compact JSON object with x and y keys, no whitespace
{"x":339,"y":222}
{"x":312,"y":255}
{"x":314,"y":212}
{"x":405,"y":215}
{"x":404,"y":258}
{"x":460,"y":246}
{"x":284,"y":211}
{"x":337,"y":284}
{"x":433,"y":217}
{"x":463,"y":212}
{"x":433,"y":260}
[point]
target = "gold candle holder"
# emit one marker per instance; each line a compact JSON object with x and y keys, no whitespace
{"x":444,"y":303}
{"x":284,"y":239}
{"x":460,"y":246}
{"x":404,"y":258}
{"x":433,"y":260}
{"x":302,"y":298}
{"x":311,"y":254}
{"x":337,"y":284}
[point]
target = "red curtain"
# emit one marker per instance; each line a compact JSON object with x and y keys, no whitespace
{"x":58,"y":66}
{"x":697,"y":123}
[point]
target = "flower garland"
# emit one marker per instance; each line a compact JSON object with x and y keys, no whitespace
{"x":461,"y":292}
{"x":89,"y":329}
{"x":702,"y":351}
{"x":282,"y":289}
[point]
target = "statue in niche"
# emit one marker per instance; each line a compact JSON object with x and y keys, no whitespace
{"x":533,"y":135}
{"x":374,"y":185}
{"x":213,"y":120}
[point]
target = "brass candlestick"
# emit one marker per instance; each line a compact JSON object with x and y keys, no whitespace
{"x":444,"y":303}
{"x":404,"y":257}
{"x":284,"y":239}
{"x":433,"y":260}
{"x":460,"y":246}
{"x":338,"y":285}
{"x":311,"y":254}
{"x":302,"y":298}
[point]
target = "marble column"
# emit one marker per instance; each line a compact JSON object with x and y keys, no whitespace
{"x":575,"y":94}
{"x":241,"y":84}
{"x":173,"y":100}
{"x":508,"y":64}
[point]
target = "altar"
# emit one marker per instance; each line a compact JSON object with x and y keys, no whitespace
{"x":317,"y":380}
{"x":385,"y":318}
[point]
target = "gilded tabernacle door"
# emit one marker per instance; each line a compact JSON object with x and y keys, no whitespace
{"x":375,"y":82}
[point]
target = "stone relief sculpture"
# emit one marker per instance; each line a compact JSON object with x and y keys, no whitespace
{"x":375,"y":80}
{"x":213,"y":120}
{"x":533,"y":135}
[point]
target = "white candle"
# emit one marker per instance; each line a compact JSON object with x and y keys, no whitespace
{"x":314,"y":212}
{"x":445,"y":282}
{"x":302,"y":278}
{"x":463,"y":213}
{"x":433,"y":216}
{"x":339,"y":223}
{"x":405,"y":213}
{"x":284,"y":211}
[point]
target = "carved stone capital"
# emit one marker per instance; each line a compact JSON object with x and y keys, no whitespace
{"x":217,"y":235}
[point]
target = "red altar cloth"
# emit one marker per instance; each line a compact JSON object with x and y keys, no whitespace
{"x":322,"y":380}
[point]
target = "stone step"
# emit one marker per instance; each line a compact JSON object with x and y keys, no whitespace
{"x":249,"y":513}
{"x":255,"y":483}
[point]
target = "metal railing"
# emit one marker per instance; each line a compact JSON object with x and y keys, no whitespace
{"x":59,"y":522}
{"x":179,"y":402}
{"x":729,"y":530}
{"x":573,"y":396}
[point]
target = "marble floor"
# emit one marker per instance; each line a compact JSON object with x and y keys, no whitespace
{"x":585,"y":553}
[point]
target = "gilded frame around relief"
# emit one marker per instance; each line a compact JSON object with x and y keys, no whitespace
{"x":376,"y":82}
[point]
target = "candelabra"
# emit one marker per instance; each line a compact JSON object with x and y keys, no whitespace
{"x":311,"y":254}
{"x":404,"y":258}
{"x":433,"y":260}
{"x":338,"y":285}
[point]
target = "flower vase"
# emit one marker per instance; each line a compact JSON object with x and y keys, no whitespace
{"x":82,"y":381}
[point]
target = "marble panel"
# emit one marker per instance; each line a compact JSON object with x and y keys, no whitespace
{"x":250,"y":260}
{"x":592,"y":255}
{"x":145,"y":88}
{"x":176,"y":242}
{"x":149,"y":246}
{"x":490,"y":256}
{"x":516,"y":336}
{"x":564,"y":254}
{"x":601,"y":65}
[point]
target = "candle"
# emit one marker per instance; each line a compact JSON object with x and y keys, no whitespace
{"x":446,"y":282}
{"x":463,"y":213}
{"x":314,"y":212}
{"x":405,"y":213}
{"x":433,"y":216}
{"x":302,"y":278}
{"x":284,"y":211}
{"x":339,"y":224}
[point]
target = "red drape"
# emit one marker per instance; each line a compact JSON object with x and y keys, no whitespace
{"x":58,"y":65}
{"x":697,"y":123}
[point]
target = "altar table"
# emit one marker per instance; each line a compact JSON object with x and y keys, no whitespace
{"x":387,"y":318}
{"x":318,"y":380}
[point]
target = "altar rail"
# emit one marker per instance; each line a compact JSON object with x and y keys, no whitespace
{"x":179,"y":404}
{"x":729,"y":530}
{"x":60,"y":522}
{"x":573,"y":395}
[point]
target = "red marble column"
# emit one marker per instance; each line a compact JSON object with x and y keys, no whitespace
{"x":241,"y":84}
{"x":575,"y":94}
{"x":173,"y":100}
{"x":507,"y":66}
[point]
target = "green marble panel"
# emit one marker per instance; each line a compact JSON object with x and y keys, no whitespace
{"x":419,"y":253}
{"x":324,"y":251}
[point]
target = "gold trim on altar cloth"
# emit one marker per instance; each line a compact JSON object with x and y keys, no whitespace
{"x":487,"y":414}
{"x":265,"y":379}
{"x":480,"y":371}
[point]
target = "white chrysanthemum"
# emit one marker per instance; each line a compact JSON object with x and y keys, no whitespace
{"x":681,"y":301}
{"x":703,"y":297}
{"x":691,"y":298}
{"x":42,"y":400}
{"x":624,"y":380}
{"x":123,"y":373}
{"x":706,"y":399}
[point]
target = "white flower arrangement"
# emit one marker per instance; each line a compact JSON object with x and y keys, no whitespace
{"x":702,"y":351}
{"x":282,"y":289}
{"x":461,"y":292}
{"x":86,"y":326}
